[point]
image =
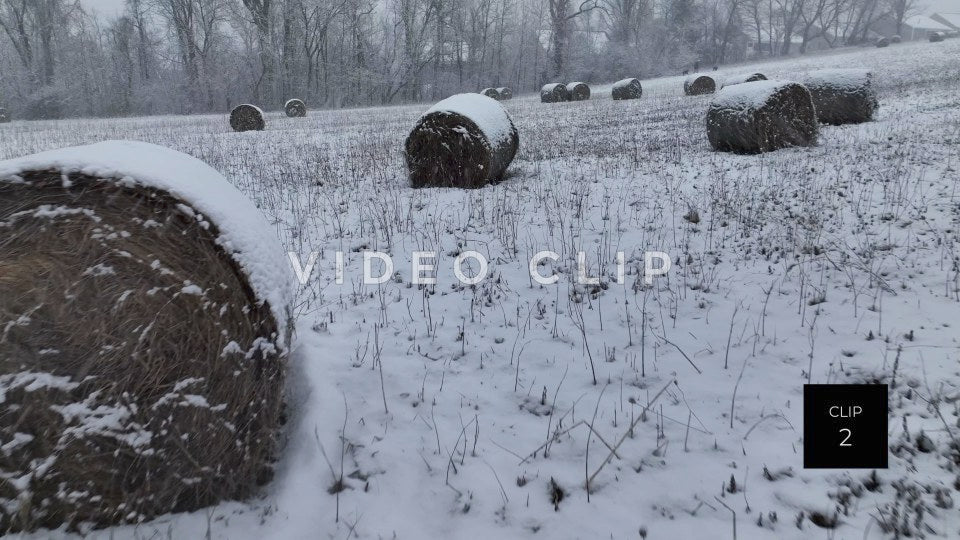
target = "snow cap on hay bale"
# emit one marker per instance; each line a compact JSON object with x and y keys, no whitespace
{"x":554,"y":93}
{"x":842,"y":96}
{"x":761,"y":116}
{"x":698,"y":84}
{"x":578,"y":91}
{"x":627,"y":89}
{"x":505,"y":93}
{"x":295,"y":108}
{"x":743,"y":78}
{"x":883,"y":42}
{"x":464,"y":141}
{"x":936,"y":37}
{"x":4,"y":116}
{"x":247,"y":118}
{"x":491,"y":93}
{"x":145,"y":302}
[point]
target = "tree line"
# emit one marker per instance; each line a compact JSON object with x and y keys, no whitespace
{"x":191,"y":56}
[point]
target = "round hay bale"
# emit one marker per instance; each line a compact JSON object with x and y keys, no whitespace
{"x":936,"y":37}
{"x":743,"y":78}
{"x":578,"y":91}
{"x":842,"y":96}
{"x":295,"y":108}
{"x":883,"y":42}
{"x":491,"y":93}
{"x":896,"y":39}
{"x":145,"y":315}
{"x":247,"y":118}
{"x":554,"y":93}
{"x":698,"y":84}
{"x":761,"y":116}
{"x":464,"y":141}
{"x":4,"y":116}
{"x":505,"y":93}
{"x":627,"y":89}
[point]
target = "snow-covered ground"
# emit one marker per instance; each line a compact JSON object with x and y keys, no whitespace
{"x":464,"y":412}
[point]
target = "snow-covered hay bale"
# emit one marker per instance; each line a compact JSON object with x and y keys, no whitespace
{"x":627,"y":89}
{"x":4,"y":116}
{"x":491,"y":93}
{"x":761,"y":116}
{"x":144,"y":311}
{"x":896,"y":39}
{"x":579,"y":91}
{"x":741,"y":78}
{"x":936,"y":37}
{"x":698,"y":84}
{"x":505,"y":93}
{"x":554,"y":93}
{"x":843,"y":96}
{"x":464,"y":141}
{"x":883,"y":42}
{"x":247,"y":118}
{"x":295,"y":108}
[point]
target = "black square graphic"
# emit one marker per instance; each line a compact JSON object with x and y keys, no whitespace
{"x":845,"y":426}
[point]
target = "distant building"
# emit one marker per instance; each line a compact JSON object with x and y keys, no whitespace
{"x":921,"y":26}
{"x":949,"y":19}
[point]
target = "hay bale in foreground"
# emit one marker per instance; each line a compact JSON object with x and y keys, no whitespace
{"x":843,"y":96}
{"x":491,"y":93}
{"x":143,"y":358}
{"x":247,"y":118}
{"x":464,"y":141}
{"x":578,"y":91}
{"x":743,"y":78}
{"x":761,"y":116}
{"x":936,"y":37}
{"x":698,"y":84}
{"x":883,"y":42}
{"x":627,"y":89}
{"x":554,"y":93}
{"x":295,"y":108}
{"x":505,"y":93}
{"x":4,"y":116}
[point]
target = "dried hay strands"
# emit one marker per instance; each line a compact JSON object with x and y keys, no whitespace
{"x":464,"y":141}
{"x":627,"y":89}
{"x":147,"y":329}
{"x":761,"y":116}
{"x":843,"y":96}
{"x":247,"y":118}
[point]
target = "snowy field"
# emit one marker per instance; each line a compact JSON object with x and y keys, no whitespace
{"x":446,"y":411}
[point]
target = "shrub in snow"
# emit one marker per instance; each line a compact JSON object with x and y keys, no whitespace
{"x":761,"y":116}
{"x":144,"y":307}
{"x":698,"y":84}
{"x":554,"y":93}
{"x":896,"y":39}
{"x":295,"y":108}
{"x":936,"y":36}
{"x":578,"y":91}
{"x":4,"y":116}
{"x":466,"y":140}
{"x":743,"y":78}
{"x":627,"y":89}
{"x":842,"y":96}
{"x":247,"y":118}
{"x":491,"y":93}
{"x":883,"y":42}
{"x":47,"y":103}
{"x":505,"y":93}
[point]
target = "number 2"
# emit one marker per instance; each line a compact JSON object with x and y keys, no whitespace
{"x":847,"y":438}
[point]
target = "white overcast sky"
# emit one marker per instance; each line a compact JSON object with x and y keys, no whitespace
{"x":110,"y":8}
